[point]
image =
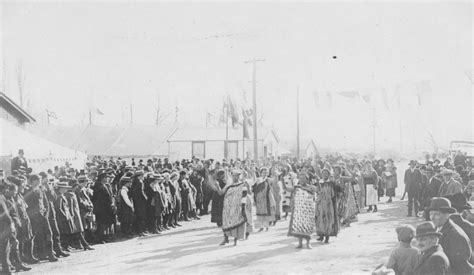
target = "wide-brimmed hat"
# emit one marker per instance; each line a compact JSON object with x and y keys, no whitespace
{"x":63,"y":184}
{"x":459,"y":202}
{"x":441,"y":204}
{"x":138,"y":173}
{"x":82,"y":178}
{"x":125,"y":180}
{"x":174,"y":175}
{"x":446,"y":172}
{"x":426,"y":229}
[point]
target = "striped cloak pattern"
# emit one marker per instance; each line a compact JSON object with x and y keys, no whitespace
{"x":232,"y":211}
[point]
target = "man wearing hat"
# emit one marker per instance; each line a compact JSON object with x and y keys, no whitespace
{"x":459,"y":202}
{"x":86,"y":206}
{"x":450,"y":186}
{"x":104,"y":206}
{"x":139,"y":202}
{"x":431,"y":190}
{"x":434,"y":260}
{"x":412,"y":187}
{"x":125,"y":210}
{"x":38,"y":211}
{"x":19,"y":161}
{"x":454,"y":241}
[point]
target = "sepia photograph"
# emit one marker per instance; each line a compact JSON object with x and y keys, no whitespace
{"x":237,"y":137}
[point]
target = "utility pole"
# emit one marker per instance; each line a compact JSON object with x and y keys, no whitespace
{"x":254,"y":105}
{"x":157,"y":121}
{"x":90,"y":116}
{"x":131,"y":113}
{"x":374,"y":128}
{"x":226,"y":151}
{"x":176,"y":109}
{"x":298,"y":122}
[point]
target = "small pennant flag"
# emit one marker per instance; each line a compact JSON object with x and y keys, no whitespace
{"x":98,"y":111}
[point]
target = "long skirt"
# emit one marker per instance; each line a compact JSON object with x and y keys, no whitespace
{"x":238,"y":232}
{"x":327,"y":218}
{"x":390,"y":192}
{"x":372,"y":195}
{"x":347,"y":205}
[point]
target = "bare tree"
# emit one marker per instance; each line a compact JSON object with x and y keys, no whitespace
{"x":21,"y":80}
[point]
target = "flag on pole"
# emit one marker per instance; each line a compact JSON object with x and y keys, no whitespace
{"x":233,"y":112}
{"x":99,"y":112}
{"x":245,"y":123}
{"x":51,"y":114}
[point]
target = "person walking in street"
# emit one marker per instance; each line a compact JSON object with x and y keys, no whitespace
{"x":303,"y":210}
{"x":413,"y":188}
{"x":389,"y":176}
{"x":370,"y":179}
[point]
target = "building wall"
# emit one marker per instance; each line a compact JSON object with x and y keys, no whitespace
{"x":215,"y":149}
{"x":5,"y":114}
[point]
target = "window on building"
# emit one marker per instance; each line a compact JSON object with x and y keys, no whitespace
{"x":199,"y":149}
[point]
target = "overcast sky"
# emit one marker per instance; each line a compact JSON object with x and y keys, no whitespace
{"x":111,"y":55}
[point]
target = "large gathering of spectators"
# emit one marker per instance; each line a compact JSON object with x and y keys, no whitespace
{"x":45,"y":215}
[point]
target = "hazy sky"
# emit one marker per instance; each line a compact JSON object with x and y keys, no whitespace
{"x":108,"y":55}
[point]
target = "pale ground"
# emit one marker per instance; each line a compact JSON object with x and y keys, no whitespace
{"x":194,"y":249}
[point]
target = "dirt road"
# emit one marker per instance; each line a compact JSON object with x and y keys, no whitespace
{"x":194,"y":248}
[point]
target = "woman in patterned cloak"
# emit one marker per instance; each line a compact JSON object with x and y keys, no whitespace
{"x":347,"y":205}
{"x":236,"y":210}
{"x":327,"y":218}
{"x":264,"y":200}
{"x":303,"y":210}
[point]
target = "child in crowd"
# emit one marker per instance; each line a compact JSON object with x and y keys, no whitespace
{"x":403,"y":259}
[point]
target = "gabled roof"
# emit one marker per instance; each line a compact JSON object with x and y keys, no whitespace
{"x":215,"y":134}
{"x":132,"y":140}
{"x":11,"y":105}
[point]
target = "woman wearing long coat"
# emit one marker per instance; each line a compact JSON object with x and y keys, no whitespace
{"x":63,"y":215}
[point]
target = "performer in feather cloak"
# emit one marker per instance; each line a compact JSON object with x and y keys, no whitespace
{"x":303,"y":210}
{"x":236,"y":209}
{"x":264,"y":200}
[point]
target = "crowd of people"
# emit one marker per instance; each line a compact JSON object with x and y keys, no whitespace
{"x":445,"y":240}
{"x":45,"y":215}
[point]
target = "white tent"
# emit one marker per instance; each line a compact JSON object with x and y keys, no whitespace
{"x":40,"y":153}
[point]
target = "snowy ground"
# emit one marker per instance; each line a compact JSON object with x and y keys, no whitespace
{"x":194,"y":248}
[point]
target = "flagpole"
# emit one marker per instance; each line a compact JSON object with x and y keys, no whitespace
{"x":243,"y":140}
{"x":226,"y":127}
{"x":254,"y":105}
{"x":298,"y":122}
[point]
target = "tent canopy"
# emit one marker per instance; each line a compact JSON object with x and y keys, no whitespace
{"x":39,"y":152}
